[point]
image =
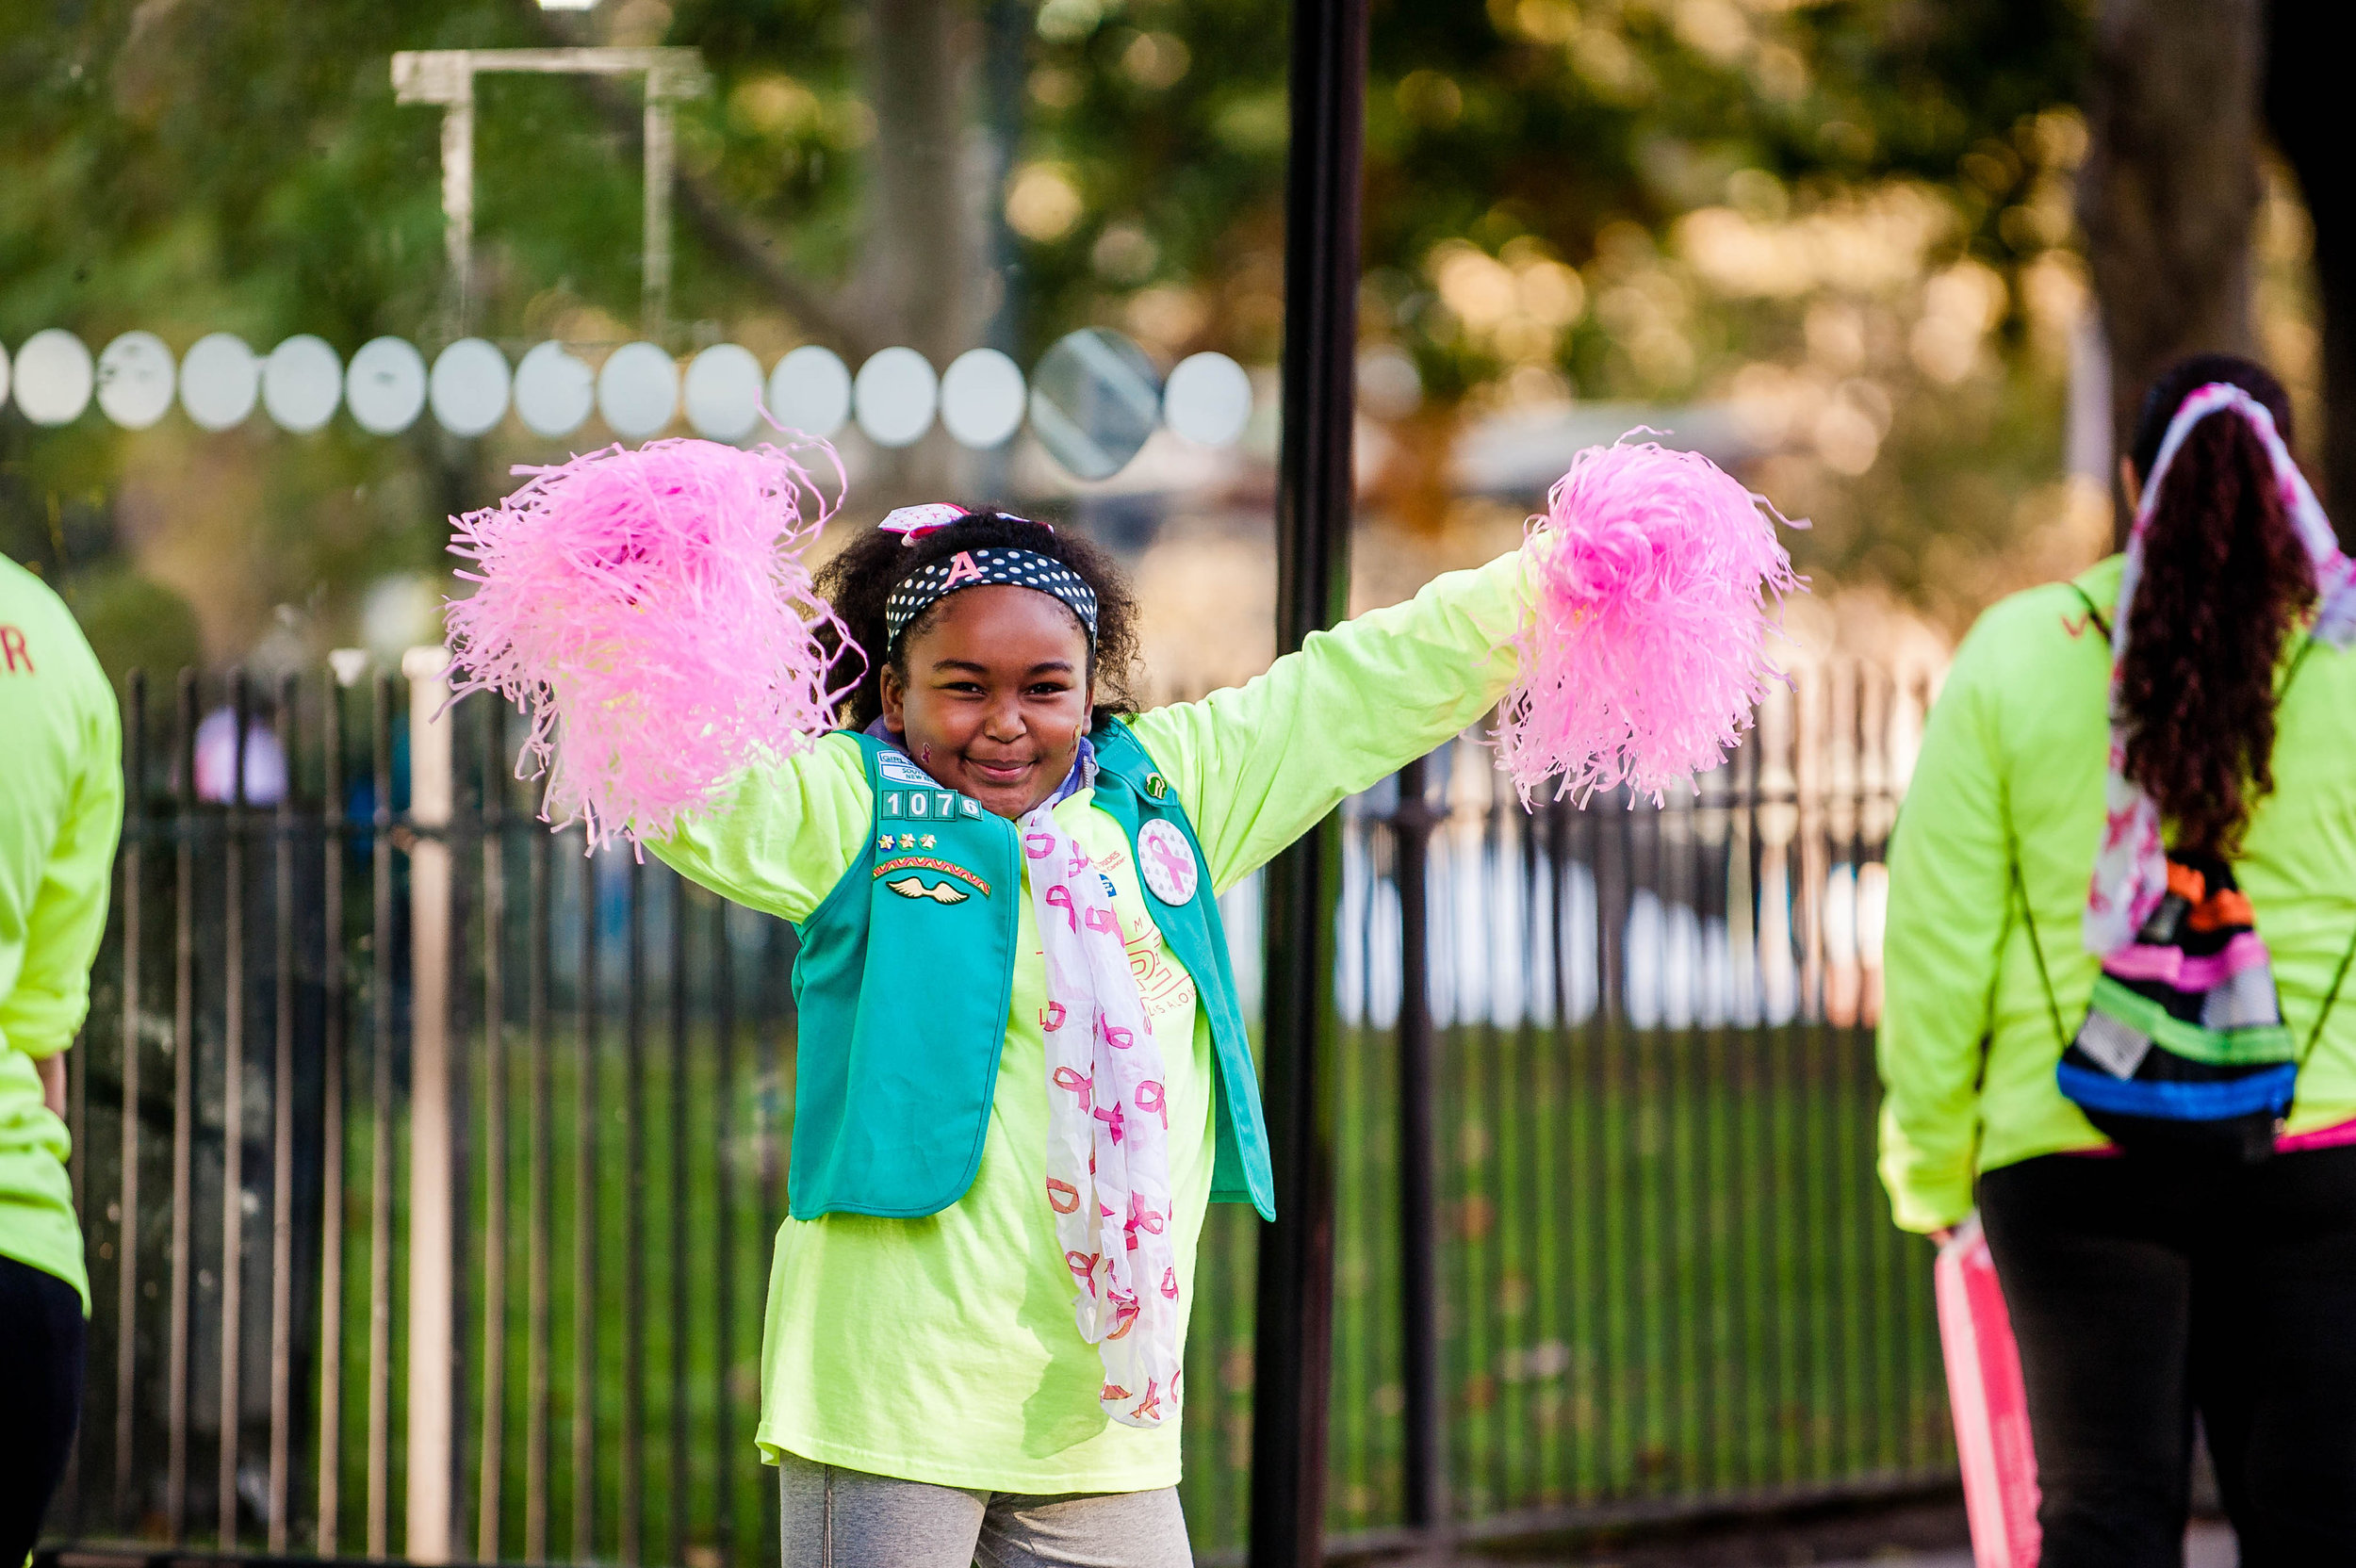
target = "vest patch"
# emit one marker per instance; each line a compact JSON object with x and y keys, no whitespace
{"x":1167,"y":861}
{"x":933,"y":804}
{"x":914,"y":886}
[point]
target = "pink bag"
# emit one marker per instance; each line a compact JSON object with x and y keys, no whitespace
{"x":1992,"y":1406}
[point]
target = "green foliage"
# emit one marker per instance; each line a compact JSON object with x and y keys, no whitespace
{"x":191,"y":166}
{"x":1539,"y":119}
{"x":133,"y":623}
{"x":1542,"y":176}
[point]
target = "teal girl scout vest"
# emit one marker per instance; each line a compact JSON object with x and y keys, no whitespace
{"x":906,"y":973}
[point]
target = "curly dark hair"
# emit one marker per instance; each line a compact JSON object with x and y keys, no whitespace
{"x":2225,"y":579}
{"x":859,"y":580}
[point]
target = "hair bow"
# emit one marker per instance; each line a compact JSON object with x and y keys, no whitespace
{"x":913,"y":522}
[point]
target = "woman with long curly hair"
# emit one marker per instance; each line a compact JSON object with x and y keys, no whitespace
{"x":2123,"y":905}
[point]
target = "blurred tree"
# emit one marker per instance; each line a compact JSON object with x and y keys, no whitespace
{"x":2302,"y":89}
{"x":133,"y":623}
{"x":2172,"y":183}
{"x":190,"y":166}
{"x":1851,"y":219}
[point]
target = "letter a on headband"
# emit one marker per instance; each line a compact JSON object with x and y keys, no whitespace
{"x":961,"y":569}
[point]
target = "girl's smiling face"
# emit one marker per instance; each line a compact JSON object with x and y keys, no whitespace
{"x":995,"y":695}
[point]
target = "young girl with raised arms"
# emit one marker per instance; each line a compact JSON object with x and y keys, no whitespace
{"x":998,"y":844}
{"x":1021,"y":1072}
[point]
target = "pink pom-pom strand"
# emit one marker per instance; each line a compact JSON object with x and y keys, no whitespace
{"x":652,"y":612}
{"x":1643,"y":654}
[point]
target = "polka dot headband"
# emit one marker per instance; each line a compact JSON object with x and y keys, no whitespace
{"x":1015,"y":568}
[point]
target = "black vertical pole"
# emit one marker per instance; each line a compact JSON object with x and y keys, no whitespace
{"x":1426,"y":1496}
{"x":1296,"y":1274}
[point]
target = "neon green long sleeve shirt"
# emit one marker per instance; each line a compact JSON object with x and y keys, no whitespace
{"x":942,"y":1349}
{"x":60,"y":811}
{"x":2021,"y":733}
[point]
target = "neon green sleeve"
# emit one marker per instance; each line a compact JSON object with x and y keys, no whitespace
{"x":1257,"y":765}
{"x":67,"y":915}
{"x":1949,"y":882}
{"x":781,"y":837}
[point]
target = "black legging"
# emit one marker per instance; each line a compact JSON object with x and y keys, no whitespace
{"x":2141,"y":1292}
{"x":40,"y":1371}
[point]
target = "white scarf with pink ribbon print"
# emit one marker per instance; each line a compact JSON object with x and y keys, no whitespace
{"x":2131,"y":865}
{"x":1108,"y":1132}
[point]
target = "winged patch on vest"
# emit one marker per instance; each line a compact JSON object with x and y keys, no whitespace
{"x":914,"y":886}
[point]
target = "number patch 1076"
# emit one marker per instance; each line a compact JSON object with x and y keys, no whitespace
{"x":928,"y":805}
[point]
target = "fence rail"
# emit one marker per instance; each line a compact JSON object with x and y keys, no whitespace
{"x":429,"y":1165}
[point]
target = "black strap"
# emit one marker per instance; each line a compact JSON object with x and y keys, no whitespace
{"x":2093,"y":613}
{"x":2028,"y":917}
{"x":1988,"y":1006}
{"x":2299,"y":660}
{"x":2330,"y":998}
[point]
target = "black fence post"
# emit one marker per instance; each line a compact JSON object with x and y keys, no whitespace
{"x":127,"y":1226}
{"x":1426,"y":1495}
{"x":1295,"y":1318}
{"x":183,"y":1112}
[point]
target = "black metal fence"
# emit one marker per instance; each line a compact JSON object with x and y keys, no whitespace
{"x":429,"y":1166}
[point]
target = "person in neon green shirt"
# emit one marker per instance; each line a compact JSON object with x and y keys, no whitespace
{"x":60,"y":811}
{"x":2143,"y":1284}
{"x":924,"y":1388}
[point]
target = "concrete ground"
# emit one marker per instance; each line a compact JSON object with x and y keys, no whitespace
{"x":1905,"y":1538}
{"x":2209,"y":1545}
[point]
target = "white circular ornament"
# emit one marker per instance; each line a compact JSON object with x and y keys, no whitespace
{"x":554,"y":390}
{"x":469,"y":387}
{"x":220,"y":380}
{"x":384,"y":385}
{"x":1207,"y":399}
{"x":303,"y":381}
{"x":982,"y":398}
{"x":1167,"y":861}
{"x":809,"y":391}
{"x":638,"y":389}
{"x":723,"y":387}
{"x":894,"y":396}
{"x":137,"y":378}
{"x":54,"y":377}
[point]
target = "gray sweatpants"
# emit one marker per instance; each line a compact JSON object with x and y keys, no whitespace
{"x":838,"y":1518}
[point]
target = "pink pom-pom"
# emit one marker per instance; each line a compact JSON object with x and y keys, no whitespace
{"x":1643,"y":653}
{"x":651,"y":610}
